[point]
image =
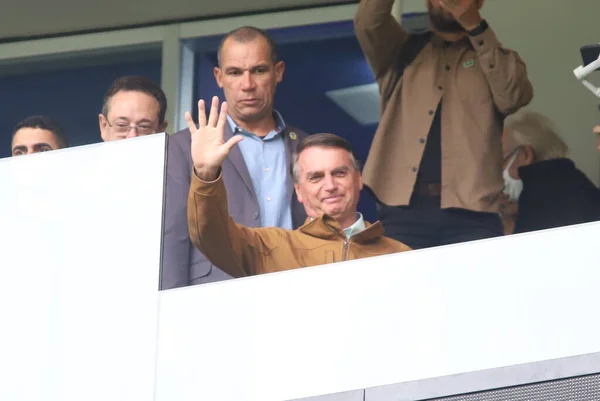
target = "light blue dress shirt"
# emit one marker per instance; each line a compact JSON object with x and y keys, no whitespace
{"x":267,"y":164}
{"x":358,"y":226}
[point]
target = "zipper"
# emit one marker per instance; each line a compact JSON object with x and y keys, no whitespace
{"x":346,"y":242}
{"x":345,"y":250}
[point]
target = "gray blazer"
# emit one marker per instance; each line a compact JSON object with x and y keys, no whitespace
{"x":182,"y":263}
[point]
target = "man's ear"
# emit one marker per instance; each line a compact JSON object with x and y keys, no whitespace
{"x":528,"y":155}
{"x":103,"y":124}
{"x":279,"y":70}
{"x":298,"y":195}
{"x":524,"y":157}
{"x":218,"y":76}
{"x":162,"y":127}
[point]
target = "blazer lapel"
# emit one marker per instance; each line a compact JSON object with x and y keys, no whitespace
{"x":291,"y":140}
{"x":237,"y":160}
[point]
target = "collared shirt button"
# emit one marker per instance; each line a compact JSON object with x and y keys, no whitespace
{"x":268,"y":198}
{"x":447,"y":67}
{"x":440,"y":87}
{"x":414,"y":169}
{"x":480,"y":43}
{"x":430,"y":112}
{"x":422,"y":140}
{"x":491,"y":65}
{"x":255,"y":216}
{"x":267,"y":169}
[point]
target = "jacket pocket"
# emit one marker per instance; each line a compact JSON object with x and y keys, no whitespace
{"x":200,"y":268}
{"x":203,"y":271}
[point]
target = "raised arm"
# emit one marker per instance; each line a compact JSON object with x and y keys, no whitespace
{"x":505,"y":71}
{"x":379,"y":34}
{"x":237,"y":249}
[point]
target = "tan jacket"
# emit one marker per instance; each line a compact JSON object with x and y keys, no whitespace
{"x":244,"y":251}
{"x":480,"y":81}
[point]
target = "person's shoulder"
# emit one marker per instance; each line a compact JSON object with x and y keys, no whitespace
{"x":394,"y":245}
{"x":295,"y":131}
{"x":181,"y":136}
{"x":180,"y":142}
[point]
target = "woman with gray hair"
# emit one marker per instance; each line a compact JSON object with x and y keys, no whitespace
{"x":549,"y":190}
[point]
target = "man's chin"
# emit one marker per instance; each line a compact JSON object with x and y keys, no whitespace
{"x":251,"y":113}
{"x":334,"y":213}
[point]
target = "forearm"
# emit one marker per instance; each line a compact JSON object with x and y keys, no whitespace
{"x":379,"y":34}
{"x":212,"y":230}
{"x":505,"y":72}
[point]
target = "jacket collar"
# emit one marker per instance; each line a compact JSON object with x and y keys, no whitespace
{"x":550,"y":169}
{"x":325,"y":227}
{"x":438,"y":42}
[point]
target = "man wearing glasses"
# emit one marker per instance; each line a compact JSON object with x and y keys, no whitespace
{"x":133,"y":106}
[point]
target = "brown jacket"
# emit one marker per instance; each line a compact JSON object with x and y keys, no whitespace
{"x":244,"y":251}
{"x":480,"y":81}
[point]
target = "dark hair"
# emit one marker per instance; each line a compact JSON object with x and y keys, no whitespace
{"x":46,"y":123}
{"x":322,"y":141}
{"x":247,"y":34}
{"x":137,"y":84}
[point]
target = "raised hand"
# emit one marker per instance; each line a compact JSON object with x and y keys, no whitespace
{"x":466,"y":12}
{"x":208,"y":147}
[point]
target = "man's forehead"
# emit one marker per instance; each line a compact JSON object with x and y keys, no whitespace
{"x":33,"y":133}
{"x":139,"y":98}
{"x":136,"y":101}
{"x":313,"y":159}
{"x":33,"y":137}
{"x":234,"y":51}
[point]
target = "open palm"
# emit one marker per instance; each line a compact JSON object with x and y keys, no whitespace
{"x":208,"y":147}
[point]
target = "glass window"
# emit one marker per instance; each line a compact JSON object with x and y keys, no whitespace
{"x":69,"y":90}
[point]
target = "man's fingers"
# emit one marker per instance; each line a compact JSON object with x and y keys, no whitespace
{"x":234,"y":140}
{"x":190,"y":122}
{"x":214,"y":110}
{"x":597,"y":129}
{"x":201,"y":114}
{"x":223,"y":115}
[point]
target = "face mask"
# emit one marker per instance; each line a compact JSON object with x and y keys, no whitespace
{"x":512,"y":187}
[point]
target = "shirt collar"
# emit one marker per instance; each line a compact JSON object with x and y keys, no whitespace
{"x":279,"y":124}
{"x":325,"y":227}
{"x":357,"y":227}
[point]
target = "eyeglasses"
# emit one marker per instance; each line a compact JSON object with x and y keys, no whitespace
{"x":123,"y":127}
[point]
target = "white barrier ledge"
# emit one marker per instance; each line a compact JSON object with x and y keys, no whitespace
{"x":391,"y":319}
{"x":81,"y":232}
